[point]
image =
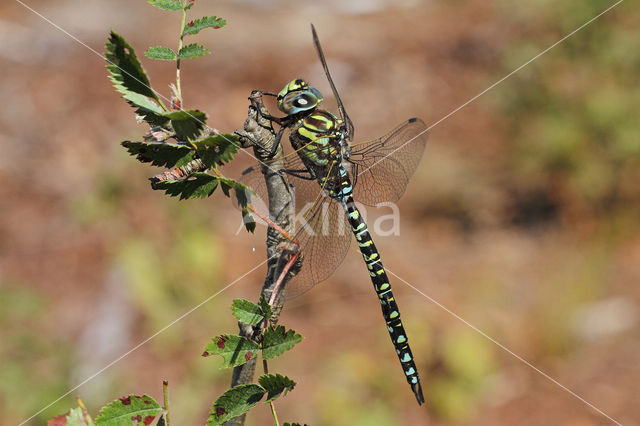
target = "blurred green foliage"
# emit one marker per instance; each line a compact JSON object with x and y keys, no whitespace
{"x":572,"y":114}
{"x":464,"y":361}
{"x":168,"y":266}
{"x":341,"y":389}
{"x":165,"y":281}
{"x":174,"y":261}
{"x":35,"y":364}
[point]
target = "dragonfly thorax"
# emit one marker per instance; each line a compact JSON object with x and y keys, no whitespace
{"x":321,"y":143}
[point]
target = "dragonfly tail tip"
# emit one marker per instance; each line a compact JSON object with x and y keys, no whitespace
{"x":417,"y":390}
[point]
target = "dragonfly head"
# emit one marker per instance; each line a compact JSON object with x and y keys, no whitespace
{"x":297,"y":96}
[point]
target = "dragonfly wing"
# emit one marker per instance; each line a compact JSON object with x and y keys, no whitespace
{"x":254,"y":178}
{"x":320,"y":224}
{"x":343,"y":113}
{"x":382,"y":167}
{"x":324,"y":237}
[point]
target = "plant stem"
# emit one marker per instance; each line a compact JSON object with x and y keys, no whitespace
{"x":281,"y":210}
{"x":178,"y":87}
{"x":165,"y":394}
{"x":85,"y":413}
{"x":273,"y":413}
{"x":265,"y":367}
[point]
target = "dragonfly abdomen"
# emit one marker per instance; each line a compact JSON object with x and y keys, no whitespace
{"x":381,"y":284}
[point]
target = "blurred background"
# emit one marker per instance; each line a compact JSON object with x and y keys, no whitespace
{"x":523,"y":217}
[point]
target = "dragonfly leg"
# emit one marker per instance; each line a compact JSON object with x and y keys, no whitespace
{"x":256,"y":100}
{"x":250,"y":138}
{"x":276,"y":143}
{"x":277,"y":289}
{"x":273,"y":118}
{"x":301,"y":174}
{"x":293,"y":264}
{"x":269,"y":150}
{"x":275,"y":226}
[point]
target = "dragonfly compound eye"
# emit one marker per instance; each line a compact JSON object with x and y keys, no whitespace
{"x":299,"y":100}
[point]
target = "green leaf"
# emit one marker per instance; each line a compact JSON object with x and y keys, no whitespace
{"x":73,"y":417}
{"x":194,"y":27}
{"x":246,"y":312}
{"x":248,"y":220}
{"x":277,"y":341}
{"x":275,"y":385}
{"x":217,"y":150}
{"x":126,"y":410}
{"x":162,"y":53}
{"x":160,"y":154}
{"x":147,"y":108}
{"x":76,"y":418}
{"x":235,"y":402}
{"x":166,"y":4}
{"x":234,"y":350}
{"x":198,"y":185}
{"x":125,"y":68}
{"x":193,"y":51}
{"x":266,"y":308}
{"x":227,"y":185}
{"x":131,"y":81}
{"x":187,"y":124}
{"x":243,"y":197}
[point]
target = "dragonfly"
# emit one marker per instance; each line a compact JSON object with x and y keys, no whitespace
{"x":329,"y":173}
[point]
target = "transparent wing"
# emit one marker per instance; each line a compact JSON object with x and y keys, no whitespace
{"x":321,"y":228}
{"x":324,"y":237}
{"x":343,"y":113}
{"x":381,"y":168}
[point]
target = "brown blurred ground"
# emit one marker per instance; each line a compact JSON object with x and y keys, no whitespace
{"x":92,"y":261}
